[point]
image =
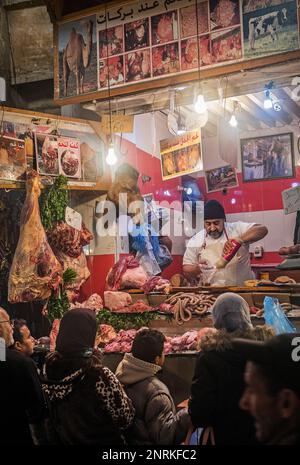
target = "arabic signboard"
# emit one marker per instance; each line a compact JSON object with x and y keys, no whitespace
{"x":181,"y":155}
{"x":117,"y":124}
{"x":142,"y":42}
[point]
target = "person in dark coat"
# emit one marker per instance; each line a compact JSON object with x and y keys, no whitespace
{"x":21,"y":394}
{"x":156,"y":420}
{"x":87,"y":402}
{"x":218,"y":379}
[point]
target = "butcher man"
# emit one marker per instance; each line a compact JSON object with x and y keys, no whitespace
{"x":206,"y":248}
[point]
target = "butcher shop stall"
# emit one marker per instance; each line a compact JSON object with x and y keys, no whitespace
{"x":178,"y":129}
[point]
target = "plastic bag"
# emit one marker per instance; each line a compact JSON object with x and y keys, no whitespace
{"x":275,"y":316}
{"x":207,"y":272}
{"x":163,"y":257}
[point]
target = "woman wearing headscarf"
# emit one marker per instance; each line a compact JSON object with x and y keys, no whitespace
{"x":218,"y":381}
{"x":86,"y":401}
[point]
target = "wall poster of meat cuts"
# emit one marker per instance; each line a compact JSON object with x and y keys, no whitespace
{"x":69,"y":157}
{"x":143,"y":41}
{"x":46,"y":149}
{"x":188,"y":20}
{"x":112,"y":69}
{"x":224,"y":13}
{"x":226,"y":45}
{"x":111,"y":42}
{"x":181,"y":155}
{"x":138,"y":65}
{"x":269,"y":29}
{"x":12,"y":158}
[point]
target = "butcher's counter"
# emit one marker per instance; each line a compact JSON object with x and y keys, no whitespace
{"x":254,"y":296}
{"x":179,"y":368}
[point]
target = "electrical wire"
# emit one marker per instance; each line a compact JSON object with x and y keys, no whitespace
{"x":108,"y":74}
{"x":198,"y":40}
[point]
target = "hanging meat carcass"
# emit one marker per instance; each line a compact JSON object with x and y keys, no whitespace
{"x":67,"y":244}
{"x":35,"y":270}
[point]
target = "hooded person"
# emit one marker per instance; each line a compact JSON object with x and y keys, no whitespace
{"x":156,"y":420}
{"x":215,"y":240}
{"x":87,"y":403}
{"x":218,"y":382}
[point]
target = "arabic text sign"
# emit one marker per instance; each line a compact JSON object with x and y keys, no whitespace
{"x":119,"y":123}
{"x":138,"y":10}
{"x":181,"y":155}
{"x":291,"y":200}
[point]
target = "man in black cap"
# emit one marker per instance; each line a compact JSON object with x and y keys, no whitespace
{"x":272,"y":393}
{"x":209,"y":245}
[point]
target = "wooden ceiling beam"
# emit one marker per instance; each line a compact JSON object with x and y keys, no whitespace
{"x":287,"y":102}
{"x":281,"y":115}
{"x":256,"y":111}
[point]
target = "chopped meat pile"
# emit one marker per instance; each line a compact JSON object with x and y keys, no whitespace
{"x":165,"y":308}
{"x":115,"y":300}
{"x":105,"y":334}
{"x":138,"y":307}
{"x":123,"y":341}
{"x":94,"y":302}
{"x":188,"y":341}
{"x":157,"y":284}
{"x":126,"y":274}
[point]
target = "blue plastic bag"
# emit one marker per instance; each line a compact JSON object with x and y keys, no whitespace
{"x":275,"y":316}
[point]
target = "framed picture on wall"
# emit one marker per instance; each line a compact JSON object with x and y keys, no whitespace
{"x":267,"y":157}
{"x":220,"y":178}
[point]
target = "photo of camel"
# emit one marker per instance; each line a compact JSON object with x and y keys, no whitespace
{"x":77,"y":43}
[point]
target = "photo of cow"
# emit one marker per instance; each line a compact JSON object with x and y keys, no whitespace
{"x":270,"y":30}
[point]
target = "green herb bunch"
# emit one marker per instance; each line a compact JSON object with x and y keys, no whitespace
{"x":59,"y":304}
{"x":125,"y":321}
{"x":53,"y":202}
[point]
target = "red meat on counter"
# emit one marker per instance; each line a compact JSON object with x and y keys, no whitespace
{"x":126,"y":274}
{"x":115,"y":300}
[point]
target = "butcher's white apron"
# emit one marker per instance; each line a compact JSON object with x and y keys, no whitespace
{"x":235,"y":273}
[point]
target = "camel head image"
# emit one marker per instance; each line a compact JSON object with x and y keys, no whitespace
{"x":77,"y":57}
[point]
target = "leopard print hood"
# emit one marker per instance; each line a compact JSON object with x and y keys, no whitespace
{"x":58,"y":390}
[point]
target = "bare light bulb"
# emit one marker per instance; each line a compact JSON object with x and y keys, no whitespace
{"x":200,"y":105}
{"x":111,"y":158}
{"x":233,"y":121}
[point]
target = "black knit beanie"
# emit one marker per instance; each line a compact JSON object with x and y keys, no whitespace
{"x":213,"y":210}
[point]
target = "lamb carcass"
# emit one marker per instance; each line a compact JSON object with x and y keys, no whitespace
{"x":115,"y":300}
{"x":35,"y":270}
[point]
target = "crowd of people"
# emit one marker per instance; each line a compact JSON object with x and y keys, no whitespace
{"x":246,"y":386}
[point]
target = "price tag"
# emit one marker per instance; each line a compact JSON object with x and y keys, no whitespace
{"x":73,"y":218}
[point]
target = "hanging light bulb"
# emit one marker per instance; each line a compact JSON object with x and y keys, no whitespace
{"x":268,"y":101}
{"x":200,"y":104}
{"x":233,"y":121}
{"x":111,"y":158}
